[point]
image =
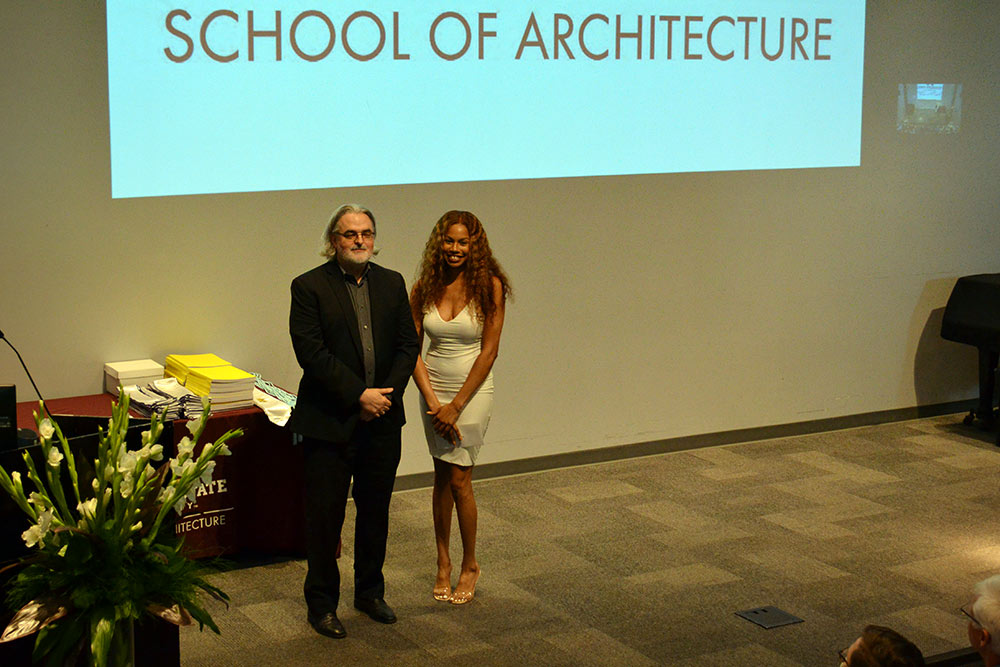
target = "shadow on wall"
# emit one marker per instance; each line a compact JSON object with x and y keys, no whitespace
{"x":943,"y":371}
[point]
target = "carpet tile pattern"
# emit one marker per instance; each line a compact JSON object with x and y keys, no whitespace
{"x":645,"y":561}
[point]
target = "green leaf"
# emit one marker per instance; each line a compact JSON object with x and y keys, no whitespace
{"x":214,"y":591}
{"x":102,"y":631}
{"x":78,"y":550}
{"x":203,"y":618}
{"x":59,"y":642}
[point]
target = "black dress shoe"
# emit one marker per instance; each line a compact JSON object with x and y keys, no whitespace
{"x":377,"y":609}
{"x":328,"y":624}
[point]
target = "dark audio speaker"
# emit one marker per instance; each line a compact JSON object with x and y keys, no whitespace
{"x":8,"y":417}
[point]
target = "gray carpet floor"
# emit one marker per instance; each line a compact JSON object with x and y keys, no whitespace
{"x":645,"y":561}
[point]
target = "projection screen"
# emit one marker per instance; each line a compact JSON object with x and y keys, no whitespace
{"x":248,"y":96}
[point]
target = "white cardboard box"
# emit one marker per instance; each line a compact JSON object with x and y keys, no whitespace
{"x":139,"y":371}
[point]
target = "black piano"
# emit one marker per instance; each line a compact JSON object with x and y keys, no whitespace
{"x":972,"y":316}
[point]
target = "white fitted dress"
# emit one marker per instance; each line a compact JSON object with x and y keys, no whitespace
{"x":454,"y":346}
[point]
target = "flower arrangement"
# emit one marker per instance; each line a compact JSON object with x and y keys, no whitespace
{"x":99,"y":561}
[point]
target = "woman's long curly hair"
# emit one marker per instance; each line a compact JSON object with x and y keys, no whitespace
{"x":480,"y":268}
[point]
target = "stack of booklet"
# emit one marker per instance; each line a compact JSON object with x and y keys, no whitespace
{"x":122,"y":373}
{"x":226,"y":386}
{"x":179,"y":365}
{"x":165,"y":394}
{"x":189,"y":402}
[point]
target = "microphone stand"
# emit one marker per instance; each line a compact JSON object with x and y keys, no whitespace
{"x":45,"y":406}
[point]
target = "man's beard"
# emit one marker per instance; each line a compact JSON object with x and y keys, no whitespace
{"x":350,"y":258}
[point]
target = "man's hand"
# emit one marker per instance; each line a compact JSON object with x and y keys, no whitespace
{"x":375,"y":402}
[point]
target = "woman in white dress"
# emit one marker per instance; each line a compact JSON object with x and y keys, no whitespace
{"x":458,"y":300}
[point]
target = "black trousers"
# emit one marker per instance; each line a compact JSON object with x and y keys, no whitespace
{"x":371,"y":460}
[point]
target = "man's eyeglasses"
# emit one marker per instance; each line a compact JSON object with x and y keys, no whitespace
{"x":969,"y":614}
{"x":352,"y":235}
{"x":843,"y":656}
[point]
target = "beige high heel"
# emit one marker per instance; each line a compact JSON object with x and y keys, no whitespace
{"x":442,"y":594}
{"x":464,"y":597}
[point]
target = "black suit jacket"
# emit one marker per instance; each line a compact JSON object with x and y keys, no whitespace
{"x":324,"y":330}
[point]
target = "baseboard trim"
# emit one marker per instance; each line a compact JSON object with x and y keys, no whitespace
{"x":963,"y":657}
{"x":687,"y":442}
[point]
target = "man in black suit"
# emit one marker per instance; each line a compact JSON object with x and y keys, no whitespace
{"x":353,"y":335}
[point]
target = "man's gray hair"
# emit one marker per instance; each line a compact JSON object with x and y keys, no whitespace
{"x":328,"y":250}
{"x":986,"y":609}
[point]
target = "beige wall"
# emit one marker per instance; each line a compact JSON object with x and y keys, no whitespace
{"x":646,"y":307}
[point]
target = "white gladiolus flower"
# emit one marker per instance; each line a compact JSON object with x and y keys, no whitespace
{"x":194,"y":424}
{"x":55,"y":458}
{"x":46,"y":429}
{"x":109,"y":473}
{"x":33,"y":536}
{"x":180,"y":469}
{"x":16,"y":476}
{"x":127,"y":484}
{"x":107,"y":495}
{"x":179,"y":506}
{"x":184,"y":447}
{"x":88,"y":507}
{"x":95,"y":485}
{"x":37,"y":500}
{"x":154,"y":452}
{"x":126,"y":463}
{"x":206,"y":477}
{"x":224,"y":450}
{"x":145,"y":437}
{"x":36,"y":534}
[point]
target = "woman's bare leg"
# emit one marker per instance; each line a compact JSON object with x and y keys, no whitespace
{"x":468,"y":516}
{"x":442,"y":503}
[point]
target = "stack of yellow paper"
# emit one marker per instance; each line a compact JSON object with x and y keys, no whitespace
{"x":226,"y":386}
{"x":179,"y":365}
